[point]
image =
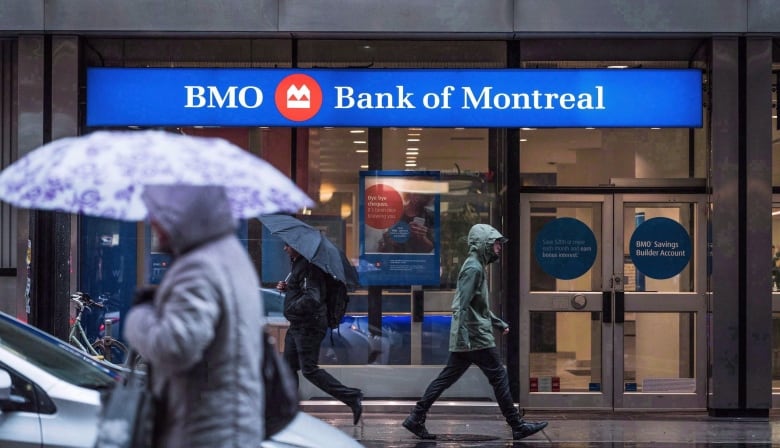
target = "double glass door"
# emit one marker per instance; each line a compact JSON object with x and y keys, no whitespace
{"x":613,"y":301}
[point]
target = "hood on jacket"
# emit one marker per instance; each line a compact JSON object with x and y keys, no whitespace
{"x":481,"y":239}
{"x":191,"y":215}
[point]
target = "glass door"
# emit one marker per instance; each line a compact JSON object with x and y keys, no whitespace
{"x":776,"y":301}
{"x":613,"y":302}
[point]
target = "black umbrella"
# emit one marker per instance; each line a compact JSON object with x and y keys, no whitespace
{"x":313,"y":245}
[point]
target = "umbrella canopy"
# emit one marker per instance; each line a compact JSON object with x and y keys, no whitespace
{"x":312,"y":245}
{"x":103,"y":174}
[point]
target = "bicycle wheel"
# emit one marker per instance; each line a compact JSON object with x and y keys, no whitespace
{"x":116,"y":353}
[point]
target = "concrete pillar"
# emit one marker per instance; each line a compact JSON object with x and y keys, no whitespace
{"x":741,"y":227}
{"x":757,"y":323}
{"x":48,"y":92}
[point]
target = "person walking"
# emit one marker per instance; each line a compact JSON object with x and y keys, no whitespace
{"x":200,"y":330}
{"x":306,"y":310}
{"x":471,"y":338}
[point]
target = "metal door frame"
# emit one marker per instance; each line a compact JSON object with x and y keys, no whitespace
{"x":775,"y":309}
{"x":611,"y":254}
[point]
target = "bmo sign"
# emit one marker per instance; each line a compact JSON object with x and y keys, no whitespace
{"x":248,"y":97}
{"x":389,"y":97}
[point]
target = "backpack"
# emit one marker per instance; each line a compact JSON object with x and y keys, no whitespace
{"x":336,"y":300}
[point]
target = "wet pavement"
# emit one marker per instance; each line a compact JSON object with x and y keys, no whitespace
{"x":566,"y":429}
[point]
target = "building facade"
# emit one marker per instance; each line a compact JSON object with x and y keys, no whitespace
{"x":625,"y":329}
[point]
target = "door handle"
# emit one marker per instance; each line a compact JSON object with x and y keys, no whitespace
{"x":620,"y":307}
{"x":606,"y":306}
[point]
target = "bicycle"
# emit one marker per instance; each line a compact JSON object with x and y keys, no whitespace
{"x":104,"y":348}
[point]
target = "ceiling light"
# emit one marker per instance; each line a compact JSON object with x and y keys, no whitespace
{"x":412,"y":139}
{"x":416,"y":134}
{"x":523,"y":139}
{"x":361,"y":150}
{"x":359,"y":142}
{"x":412,"y":149}
{"x":326,"y":192}
{"x":363,"y":167}
{"x":411,"y":157}
{"x":617,"y":66}
{"x":415,"y":129}
{"x":357,"y":131}
{"x":410,"y":164}
{"x":590,"y":129}
{"x":527,"y":129}
{"x":346,"y":210}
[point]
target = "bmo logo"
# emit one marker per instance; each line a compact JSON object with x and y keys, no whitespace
{"x":298,"y":97}
{"x":230,"y":97}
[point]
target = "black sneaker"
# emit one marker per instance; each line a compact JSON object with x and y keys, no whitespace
{"x":525,"y":429}
{"x":418,"y":428}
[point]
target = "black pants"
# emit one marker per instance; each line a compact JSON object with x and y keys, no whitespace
{"x":488,"y":361}
{"x":302,"y":352}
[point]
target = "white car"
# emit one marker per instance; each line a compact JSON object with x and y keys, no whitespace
{"x":51,"y":395}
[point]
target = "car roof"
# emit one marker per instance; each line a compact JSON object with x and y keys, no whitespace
{"x":114,"y":372}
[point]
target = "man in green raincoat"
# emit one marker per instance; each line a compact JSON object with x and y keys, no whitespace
{"x":471,"y":338}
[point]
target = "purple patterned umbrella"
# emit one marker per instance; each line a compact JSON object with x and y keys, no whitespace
{"x":103,"y":174}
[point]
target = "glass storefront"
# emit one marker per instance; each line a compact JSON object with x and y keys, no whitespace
{"x":326,"y":162}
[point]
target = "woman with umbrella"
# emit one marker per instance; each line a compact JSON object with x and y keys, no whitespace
{"x":200,"y":330}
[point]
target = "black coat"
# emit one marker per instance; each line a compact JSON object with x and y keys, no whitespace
{"x":303,"y":304}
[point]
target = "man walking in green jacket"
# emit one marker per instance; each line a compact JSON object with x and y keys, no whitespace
{"x":471,"y":338}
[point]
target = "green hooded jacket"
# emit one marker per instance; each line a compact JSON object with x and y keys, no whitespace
{"x":472,"y":321}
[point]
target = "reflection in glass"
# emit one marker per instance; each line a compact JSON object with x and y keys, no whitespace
{"x":659,"y":352}
{"x":565,"y":346}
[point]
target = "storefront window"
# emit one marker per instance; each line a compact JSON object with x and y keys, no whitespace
{"x":594,"y":157}
{"x":604,"y":156}
{"x":461,"y":158}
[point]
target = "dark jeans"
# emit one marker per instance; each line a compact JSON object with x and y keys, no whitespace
{"x":302,"y":352}
{"x":488,"y":361}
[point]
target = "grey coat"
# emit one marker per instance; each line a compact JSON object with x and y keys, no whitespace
{"x":202,"y":334}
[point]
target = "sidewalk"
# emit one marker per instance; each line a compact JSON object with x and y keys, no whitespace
{"x":380,"y":428}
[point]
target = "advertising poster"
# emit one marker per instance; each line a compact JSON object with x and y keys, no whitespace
{"x":399,"y":228}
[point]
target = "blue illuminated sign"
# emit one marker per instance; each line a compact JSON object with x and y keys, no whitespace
{"x":565,"y":248}
{"x":660,"y":248}
{"x":390,"y":97}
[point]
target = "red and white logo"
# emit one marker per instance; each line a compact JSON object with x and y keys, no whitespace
{"x":298,"y":97}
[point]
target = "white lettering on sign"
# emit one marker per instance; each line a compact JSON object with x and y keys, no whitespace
{"x":346,"y":99}
{"x":487,"y":99}
{"x":484,"y":99}
{"x":658,"y":248}
{"x":248,"y":97}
